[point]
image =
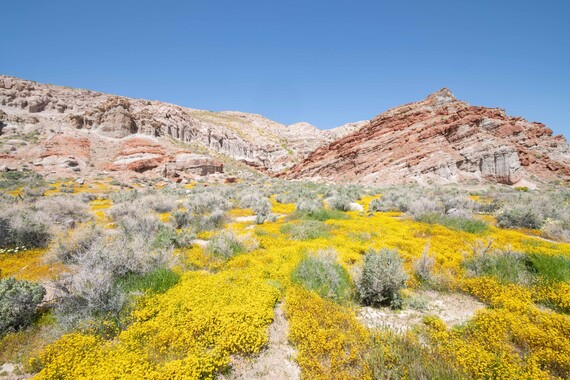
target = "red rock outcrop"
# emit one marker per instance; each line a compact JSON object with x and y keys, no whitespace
{"x":248,"y":138}
{"x":441,"y":139}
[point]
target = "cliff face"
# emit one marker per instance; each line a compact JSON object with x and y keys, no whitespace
{"x":104,"y":120}
{"x":441,"y":140}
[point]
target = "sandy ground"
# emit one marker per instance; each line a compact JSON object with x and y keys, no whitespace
{"x":275,"y":362}
{"x":452,"y":308}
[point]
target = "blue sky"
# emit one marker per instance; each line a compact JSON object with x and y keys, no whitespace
{"x":324,"y":62}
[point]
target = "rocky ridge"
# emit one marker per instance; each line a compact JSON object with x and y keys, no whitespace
{"x":101,"y":121}
{"x":60,"y":130}
{"x":441,"y":140}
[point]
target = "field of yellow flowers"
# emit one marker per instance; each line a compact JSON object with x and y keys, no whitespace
{"x":221,"y":307}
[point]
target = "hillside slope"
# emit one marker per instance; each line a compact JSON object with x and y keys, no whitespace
{"x":441,"y":140}
{"x":88,"y":129}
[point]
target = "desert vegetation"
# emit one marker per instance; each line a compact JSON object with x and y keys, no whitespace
{"x":177,"y":281}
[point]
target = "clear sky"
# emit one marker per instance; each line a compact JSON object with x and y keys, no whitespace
{"x":324,"y":62}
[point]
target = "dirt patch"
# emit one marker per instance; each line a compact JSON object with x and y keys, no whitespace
{"x":452,"y":308}
{"x":276,"y":362}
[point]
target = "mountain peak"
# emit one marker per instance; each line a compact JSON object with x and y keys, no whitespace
{"x":441,"y":97}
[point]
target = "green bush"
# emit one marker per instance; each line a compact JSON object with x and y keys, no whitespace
{"x":382,"y":278}
{"x":18,"y":302}
{"x":323,"y":275}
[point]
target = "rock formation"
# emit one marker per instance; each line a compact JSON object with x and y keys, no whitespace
{"x":441,"y":140}
{"x":248,"y":138}
{"x":62,"y":130}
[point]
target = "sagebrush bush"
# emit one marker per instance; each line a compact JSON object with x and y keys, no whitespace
{"x":321,"y":273}
{"x":158,"y":202}
{"x":556,"y":230}
{"x":199,"y":222}
{"x":18,"y":302}
{"x":22,"y":225}
{"x":423,"y":206}
{"x":73,"y":243}
{"x":424,"y":267}
{"x":262,"y":210}
{"x":226,"y":245}
{"x":205,"y":203}
{"x":340,"y":202}
{"x":521,"y":216}
{"x":309,"y":205}
{"x":382,"y":278}
{"x":66,"y":211}
{"x":249,"y":197}
{"x":89,"y":289}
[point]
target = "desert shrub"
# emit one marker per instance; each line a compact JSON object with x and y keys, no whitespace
{"x":377,"y":205}
{"x":309,"y":205}
{"x":425,"y":206}
{"x":547,"y":209}
{"x":159,"y":202}
{"x":395,"y":199}
{"x":286,"y":197}
{"x":90,"y":291}
{"x":12,"y":180}
{"x":340,"y":202}
{"x":556,"y":230}
{"x":521,"y":216}
{"x":550,"y":268}
{"x":87,"y":197}
{"x":66,"y":211}
{"x":204,"y":203}
{"x":321,"y":273}
{"x":199,"y":222}
{"x":306,"y":230}
{"x":156,"y":281}
{"x":140,"y":224}
{"x":226,"y":245}
{"x":168,"y":236}
{"x":249,"y":197}
{"x":322,"y":215}
{"x":262,"y":210}
{"x":34,"y":191}
{"x":423,"y":267}
{"x":72,"y":243}
{"x":124,"y":196}
{"x":381,"y":278}
{"x":18,"y":302}
{"x":455,"y":222}
{"x":506,"y":266}
{"x":21,"y":225}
